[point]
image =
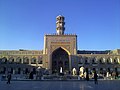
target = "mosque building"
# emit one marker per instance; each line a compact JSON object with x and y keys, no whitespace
{"x":60,"y":51}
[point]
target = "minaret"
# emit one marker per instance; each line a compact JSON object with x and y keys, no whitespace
{"x":60,"y":25}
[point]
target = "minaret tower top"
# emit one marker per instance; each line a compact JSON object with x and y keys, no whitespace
{"x":60,"y":25}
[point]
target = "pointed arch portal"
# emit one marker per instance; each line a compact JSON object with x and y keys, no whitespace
{"x":60,"y":58}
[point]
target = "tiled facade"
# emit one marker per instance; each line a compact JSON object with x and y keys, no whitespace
{"x":25,"y":61}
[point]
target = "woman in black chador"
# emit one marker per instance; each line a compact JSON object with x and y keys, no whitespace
{"x":87,"y":74}
{"x":31,"y":75}
{"x":8,"y":78}
{"x":95,"y":78}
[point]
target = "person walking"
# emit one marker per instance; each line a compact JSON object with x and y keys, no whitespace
{"x":87,"y":74}
{"x":95,"y":77}
{"x":8,"y":78}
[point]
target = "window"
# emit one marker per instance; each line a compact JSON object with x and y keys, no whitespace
{"x":94,"y":69}
{"x":25,"y":60}
{"x":101,"y":70}
{"x":10,"y":70}
{"x":18,"y":60}
{"x":4,"y":60}
{"x":101,"y":60}
{"x":19,"y":70}
{"x":25,"y":71}
{"x":11,"y":60}
{"x":34,"y":70}
{"x":115,"y":60}
{"x":80,"y":61}
{"x":94,"y":61}
{"x":33,"y":60}
{"x":108,"y":61}
{"x":40,"y":60}
{"x":2,"y":70}
{"x":86,"y":61}
{"x":108,"y":70}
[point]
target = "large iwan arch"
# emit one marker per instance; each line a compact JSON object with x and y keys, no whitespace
{"x":60,"y":58}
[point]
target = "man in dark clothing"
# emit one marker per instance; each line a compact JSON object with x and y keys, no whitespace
{"x":8,"y":78}
{"x":87,"y":74}
{"x":31,"y":75}
{"x":95,"y":78}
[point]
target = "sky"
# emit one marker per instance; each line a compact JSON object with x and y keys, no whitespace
{"x":23,"y":23}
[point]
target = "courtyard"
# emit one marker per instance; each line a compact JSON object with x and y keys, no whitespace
{"x":61,"y":85}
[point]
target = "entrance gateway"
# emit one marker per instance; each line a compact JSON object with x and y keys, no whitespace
{"x":60,"y":49}
{"x":60,"y":59}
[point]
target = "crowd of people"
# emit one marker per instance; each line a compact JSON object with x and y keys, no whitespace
{"x":83,"y":74}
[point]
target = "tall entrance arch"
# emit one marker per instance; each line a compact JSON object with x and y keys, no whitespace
{"x":60,"y":58}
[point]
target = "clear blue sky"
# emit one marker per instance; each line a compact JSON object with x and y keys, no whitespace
{"x":23,"y":23}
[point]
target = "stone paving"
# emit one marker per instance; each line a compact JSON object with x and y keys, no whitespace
{"x":61,"y":85}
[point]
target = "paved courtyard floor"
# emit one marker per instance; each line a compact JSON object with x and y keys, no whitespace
{"x":61,"y":85}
